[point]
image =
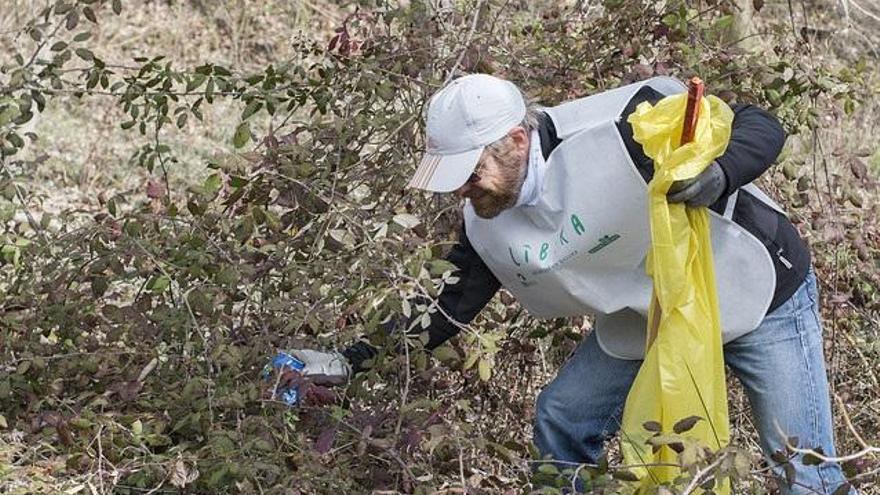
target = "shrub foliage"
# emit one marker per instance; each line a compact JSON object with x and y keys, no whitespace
{"x":133,"y":342}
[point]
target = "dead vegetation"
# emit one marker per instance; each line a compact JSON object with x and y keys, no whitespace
{"x":135,"y":404}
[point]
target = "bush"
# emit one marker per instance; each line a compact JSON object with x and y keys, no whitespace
{"x":134,"y":340}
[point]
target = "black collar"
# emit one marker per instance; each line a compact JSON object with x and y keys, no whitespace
{"x":547,"y":133}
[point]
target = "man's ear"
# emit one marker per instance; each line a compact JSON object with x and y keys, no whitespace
{"x":520,"y":140}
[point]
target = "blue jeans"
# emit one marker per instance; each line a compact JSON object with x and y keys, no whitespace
{"x":780,"y":365}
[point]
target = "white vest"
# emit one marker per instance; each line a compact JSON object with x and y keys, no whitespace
{"x":581,"y":248}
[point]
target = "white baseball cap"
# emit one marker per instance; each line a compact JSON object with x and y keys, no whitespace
{"x":465,"y":116}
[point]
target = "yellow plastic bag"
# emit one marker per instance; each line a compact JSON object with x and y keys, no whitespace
{"x":683,"y":372}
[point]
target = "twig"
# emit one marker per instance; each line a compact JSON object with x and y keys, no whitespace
{"x":866,"y":450}
{"x":461,"y":466}
{"x":392,"y":452}
{"x":862,"y":9}
{"x":30,"y":218}
{"x":467,"y":42}
{"x":698,"y":478}
{"x":100,"y":458}
{"x":869,"y":474}
{"x":852,"y":429}
{"x":405,"y":393}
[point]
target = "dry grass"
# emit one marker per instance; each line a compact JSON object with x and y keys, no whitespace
{"x":88,"y":154}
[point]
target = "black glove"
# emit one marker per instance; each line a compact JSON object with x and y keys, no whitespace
{"x":702,"y":190}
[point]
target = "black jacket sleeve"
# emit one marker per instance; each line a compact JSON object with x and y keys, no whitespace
{"x":461,"y":301}
{"x":756,"y":139}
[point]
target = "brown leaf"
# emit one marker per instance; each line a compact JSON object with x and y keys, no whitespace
{"x":843,"y":489}
{"x":858,"y":168}
{"x":661,"y":69}
{"x":642,"y":71}
{"x":127,"y":391}
{"x":686,"y":424}
{"x":411,"y":439}
{"x":155,"y":189}
{"x":317,"y":395}
{"x":506,"y":298}
{"x":325,"y":440}
{"x":790,"y":474}
{"x":652,"y":426}
{"x":862,"y":249}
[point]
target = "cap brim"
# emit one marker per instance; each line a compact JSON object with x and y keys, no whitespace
{"x":445,"y":173}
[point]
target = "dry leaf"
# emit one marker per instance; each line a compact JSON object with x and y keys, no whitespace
{"x":183,"y":475}
{"x":155,"y":189}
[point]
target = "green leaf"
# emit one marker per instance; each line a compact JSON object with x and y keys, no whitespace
{"x":159,"y":284}
{"x":90,"y":14}
{"x":624,"y":475}
{"x":209,"y":91}
{"x":724,"y":22}
{"x":212,"y":184}
{"x":673,"y":441}
{"x":117,"y":7}
{"x":439,"y":267}
{"x":548,"y":468}
{"x":446,"y":354}
{"x":242,"y":135}
{"x":237,"y":181}
{"x":58,"y":46}
{"x":485,"y":369}
{"x":62,"y":8}
{"x":811,"y":459}
{"x":39,"y":99}
{"x":228,"y":276}
{"x":471,"y":359}
{"x":85,"y":54}
{"x":99,"y":286}
{"x":253,"y":107}
{"x":195,"y":82}
{"x":82,"y":36}
{"x":15,"y":139}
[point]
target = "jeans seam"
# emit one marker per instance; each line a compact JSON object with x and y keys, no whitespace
{"x":814,"y":408}
{"x":617,"y":411}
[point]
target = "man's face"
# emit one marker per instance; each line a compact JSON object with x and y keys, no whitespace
{"x":499,"y":179}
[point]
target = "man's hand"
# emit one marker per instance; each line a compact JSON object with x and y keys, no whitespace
{"x":702,"y":190}
{"x":323,"y":368}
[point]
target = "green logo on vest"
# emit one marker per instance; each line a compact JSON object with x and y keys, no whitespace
{"x":525,"y":254}
{"x":603,"y":242}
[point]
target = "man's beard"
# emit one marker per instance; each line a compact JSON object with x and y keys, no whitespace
{"x":489,"y":204}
